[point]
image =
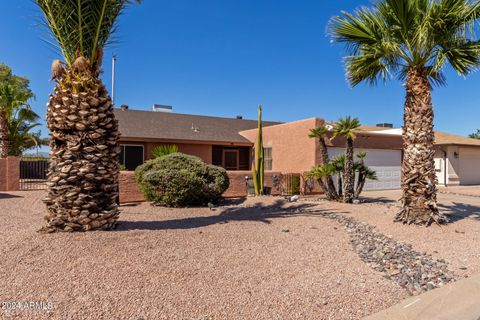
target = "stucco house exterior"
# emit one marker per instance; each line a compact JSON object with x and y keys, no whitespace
{"x":229,"y":142}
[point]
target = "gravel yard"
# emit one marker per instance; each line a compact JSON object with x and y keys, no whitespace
{"x":247,"y":260}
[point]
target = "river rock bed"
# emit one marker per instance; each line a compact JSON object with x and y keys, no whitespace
{"x":416,"y":272}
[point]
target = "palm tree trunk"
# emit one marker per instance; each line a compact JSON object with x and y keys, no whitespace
{"x":83,"y":171}
{"x":329,"y":185}
{"x":3,"y":135}
{"x":340,"y":184}
{"x":348,"y":174}
{"x":360,"y":185}
{"x":418,"y":168}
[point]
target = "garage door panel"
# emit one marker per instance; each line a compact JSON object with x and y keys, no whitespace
{"x":469,"y":163}
{"x":386,"y":163}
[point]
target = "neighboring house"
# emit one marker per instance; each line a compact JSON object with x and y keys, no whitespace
{"x":229,"y":142}
{"x":457,"y":158}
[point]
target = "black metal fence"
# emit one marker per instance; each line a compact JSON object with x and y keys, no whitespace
{"x":33,"y":173}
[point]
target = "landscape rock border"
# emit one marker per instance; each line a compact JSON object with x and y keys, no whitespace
{"x":416,"y":272}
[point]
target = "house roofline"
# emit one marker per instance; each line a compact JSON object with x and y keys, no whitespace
{"x":230,"y":143}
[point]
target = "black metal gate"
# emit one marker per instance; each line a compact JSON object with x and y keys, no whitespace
{"x":33,"y":173}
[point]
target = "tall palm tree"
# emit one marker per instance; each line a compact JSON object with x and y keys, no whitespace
{"x":17,"y":120}
{"x":345,"y":127}
{"x":84,"y":167}
{"x":328,"y":186}
{"x":14,"y":93}
{"x":412,"y":40}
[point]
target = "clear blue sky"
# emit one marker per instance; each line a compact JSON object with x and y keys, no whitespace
{"x":223,"y":57}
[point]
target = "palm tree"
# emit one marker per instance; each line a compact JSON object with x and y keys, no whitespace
{"x":21,"y":138}
{"x":345,"y":127}
{"x":84,"y":167}
{"x":412,"y":40}
{"x":14,"y":93}
{"x":328,"y":186}
{"x":364,"y":173}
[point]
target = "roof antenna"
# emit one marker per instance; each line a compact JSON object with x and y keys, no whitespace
{"x":114,"y":59}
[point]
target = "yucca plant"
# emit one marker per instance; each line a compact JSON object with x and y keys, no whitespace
{"x":83,"y":171}
{"x":258,"y":166}
{"x":345,"y":127}
{"x":412,"y":40}
{"x":164,"y":149}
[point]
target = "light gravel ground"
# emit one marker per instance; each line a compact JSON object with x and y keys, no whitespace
{"x":239,"y":262}
{"x":457,"y":242}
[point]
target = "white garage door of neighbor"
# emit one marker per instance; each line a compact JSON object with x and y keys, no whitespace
{"x":469,"y":170}
{"x":386,"y":163}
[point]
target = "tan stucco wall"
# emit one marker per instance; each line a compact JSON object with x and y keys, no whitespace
{"x":463,"y":169}
{"x":292,"y":150}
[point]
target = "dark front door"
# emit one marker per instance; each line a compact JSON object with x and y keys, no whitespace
{"x":230,"y":159}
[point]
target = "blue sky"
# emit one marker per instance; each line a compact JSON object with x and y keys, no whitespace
{"x":223,"y":57}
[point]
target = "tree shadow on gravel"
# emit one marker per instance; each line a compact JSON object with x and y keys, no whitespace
{"x":8,"y":196}
{"x":383,"y":200}
{"x":458,"y":211}
{"x":257,"y":212}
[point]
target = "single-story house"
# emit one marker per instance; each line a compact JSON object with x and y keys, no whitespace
{"x":229,"y":142}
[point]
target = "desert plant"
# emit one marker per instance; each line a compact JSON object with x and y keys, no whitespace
{"x":179,"y":180}
{"x":345,"y":127}
{"x":84,"y":165}
{"x":258,"y":166}
{"x":336,"y":167}
{"x":320,"y":132}
{"x":164,"y":149}
{"x":413,"y":40}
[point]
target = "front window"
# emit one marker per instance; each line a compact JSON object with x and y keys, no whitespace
{"x":267,"y":158}
{"x":131,"y":156}
{"x":231,"y":158}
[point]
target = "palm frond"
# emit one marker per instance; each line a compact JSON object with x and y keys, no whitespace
{"x":396,"y":35}
{"x":82,"y":27}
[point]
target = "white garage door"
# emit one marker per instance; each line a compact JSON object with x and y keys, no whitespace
{"x":386,"y":163}
{"x":469,"y":171}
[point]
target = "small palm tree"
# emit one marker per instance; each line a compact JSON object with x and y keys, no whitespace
{"x":322,"y":172}
{"x":14,"y":94}
{"x":83,"y":172}
{"x":412,"y":40}
{"x":345,"y":127}
{"x":20,"y":135}
{"x":320,"y":133}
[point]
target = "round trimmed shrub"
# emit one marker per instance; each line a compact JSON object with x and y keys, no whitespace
{"x":180,"y":180}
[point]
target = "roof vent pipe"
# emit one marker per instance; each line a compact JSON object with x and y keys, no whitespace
{"x":161,"y":108}
{"x":385,"y":125}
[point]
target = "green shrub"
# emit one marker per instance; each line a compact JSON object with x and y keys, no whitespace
{"x":179,"y":180}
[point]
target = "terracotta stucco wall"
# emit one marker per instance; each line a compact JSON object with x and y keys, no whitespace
{"x":292,"y":150}
{"x":129,"y":191}
{"x":10,"y":174}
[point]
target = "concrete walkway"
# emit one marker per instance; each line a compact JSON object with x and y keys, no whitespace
{"x":456,"y":301}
